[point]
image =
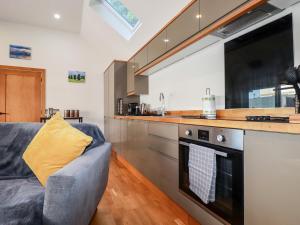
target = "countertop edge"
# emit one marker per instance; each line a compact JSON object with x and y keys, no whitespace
{"x":290,"y":128}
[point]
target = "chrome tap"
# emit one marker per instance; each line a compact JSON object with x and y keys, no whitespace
{"x":163,"y":105}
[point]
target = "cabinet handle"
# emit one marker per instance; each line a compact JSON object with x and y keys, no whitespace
{"x":161,"y":153}
{"x":2,"y":113}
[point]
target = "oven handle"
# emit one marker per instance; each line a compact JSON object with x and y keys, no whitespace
{"x":216,"y":152}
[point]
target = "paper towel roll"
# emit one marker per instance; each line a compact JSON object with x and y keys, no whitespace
{"x":209,"y":105}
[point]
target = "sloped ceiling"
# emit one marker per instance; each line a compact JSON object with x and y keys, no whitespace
{"x":78,"y":16}
{"x":153,"y":14}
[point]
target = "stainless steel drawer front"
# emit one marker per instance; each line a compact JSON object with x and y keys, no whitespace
{"x":165,"y":146}
{"x":164,"y":130}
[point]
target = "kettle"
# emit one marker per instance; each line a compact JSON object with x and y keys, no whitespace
{"x":209,"y":105}
{"x":143,"y":109}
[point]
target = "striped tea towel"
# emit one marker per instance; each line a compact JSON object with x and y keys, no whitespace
{"x":202,"y":172}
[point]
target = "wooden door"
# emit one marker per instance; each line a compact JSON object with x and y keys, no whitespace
{"x":2,"y":97}
{"x":24,"y":94}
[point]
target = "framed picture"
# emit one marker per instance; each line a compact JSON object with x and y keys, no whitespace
{"x":19,"y":52}
{"x":76,"y":76}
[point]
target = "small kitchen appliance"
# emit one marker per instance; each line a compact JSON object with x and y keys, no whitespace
{"x":120,"y":105}
{"x":133,"y":109}
{"x":144,"y":109}
{"x":292,"y":76}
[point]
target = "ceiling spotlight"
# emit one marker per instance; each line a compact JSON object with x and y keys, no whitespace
{"x":166,"y":40}
{"x":198,"y":16}
{"x":56,"y":16}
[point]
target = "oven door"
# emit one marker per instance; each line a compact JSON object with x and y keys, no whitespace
{"x":229,"y":203}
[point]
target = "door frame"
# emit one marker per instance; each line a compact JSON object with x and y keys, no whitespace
{"x":40,"y":72}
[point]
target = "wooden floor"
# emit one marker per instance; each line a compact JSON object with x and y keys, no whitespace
{"x":129,"y":202}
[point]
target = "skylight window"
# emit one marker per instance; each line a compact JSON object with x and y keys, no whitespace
{"x":124,"y":12}
{"x":117,"y":15}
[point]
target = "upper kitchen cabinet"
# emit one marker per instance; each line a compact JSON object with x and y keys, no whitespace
{"x":136,"y":85}
{"x":130,"y":76}
{"x":157,"y":46}
{"x":212,"y":10}
{"x":193,"y":29}
{"x":141,"y":59}
{"x":115,"y":87}
{"x":184,"y":26}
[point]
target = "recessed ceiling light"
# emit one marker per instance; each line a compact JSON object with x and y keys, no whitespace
{"x":166,"y":40}
{"x":57,"y":16}
{"x":198,"y":16}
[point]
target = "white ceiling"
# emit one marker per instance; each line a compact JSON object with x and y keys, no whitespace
{"x":40,"y":13}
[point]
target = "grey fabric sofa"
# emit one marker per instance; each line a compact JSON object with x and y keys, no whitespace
{"x":71,"y":194}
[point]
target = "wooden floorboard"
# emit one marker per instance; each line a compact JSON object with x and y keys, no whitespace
{"x":127,"y":201}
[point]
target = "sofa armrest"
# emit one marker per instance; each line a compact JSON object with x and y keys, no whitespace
{"x":73,"y":193}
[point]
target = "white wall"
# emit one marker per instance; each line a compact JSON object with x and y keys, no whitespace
{"x":58,"y":52}
{"x":184,"y":82}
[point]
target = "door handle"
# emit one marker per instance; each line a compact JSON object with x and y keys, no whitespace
{"x":2,"y":113}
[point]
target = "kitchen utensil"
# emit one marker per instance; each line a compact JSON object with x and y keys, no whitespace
{"x":298,"y":73}
{"x":120,"y":110}
{"x":143,"y":109}
{"x":291,"y":75}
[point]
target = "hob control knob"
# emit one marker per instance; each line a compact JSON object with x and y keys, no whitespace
{"x":188,"y":133}
{"x":220,"y":138}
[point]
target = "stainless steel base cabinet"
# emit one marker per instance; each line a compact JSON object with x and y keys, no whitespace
{"x":115,"y":134}
{"x":272,"y":178}
{"x":123,"y":138}
{"x":152,"y":148}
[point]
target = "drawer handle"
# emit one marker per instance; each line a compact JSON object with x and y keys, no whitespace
{"x":161,"y":153}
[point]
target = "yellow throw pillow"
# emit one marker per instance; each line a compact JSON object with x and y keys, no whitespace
{"x":55,"y":145}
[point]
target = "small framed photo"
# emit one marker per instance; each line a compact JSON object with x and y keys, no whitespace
{"x":76,"y":76}
{"x":19,"y":52}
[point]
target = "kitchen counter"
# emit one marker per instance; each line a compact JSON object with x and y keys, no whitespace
{"x":236,"y":124}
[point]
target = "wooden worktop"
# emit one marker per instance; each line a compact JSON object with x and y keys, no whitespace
{"x":236,"y":124}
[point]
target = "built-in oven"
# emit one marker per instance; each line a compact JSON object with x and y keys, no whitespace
{"x":228,"y":146}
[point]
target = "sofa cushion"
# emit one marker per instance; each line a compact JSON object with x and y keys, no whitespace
{"x":55,"y":145}
{"x":21,"y":201}
{"x":93,"y":131}
{"x":15,"y":137}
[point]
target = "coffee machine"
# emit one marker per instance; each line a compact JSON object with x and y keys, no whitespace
{"x":133,"y":109}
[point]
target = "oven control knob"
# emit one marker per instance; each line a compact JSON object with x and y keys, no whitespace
{"x":188,"y":133}
{"x":220,"y":138}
